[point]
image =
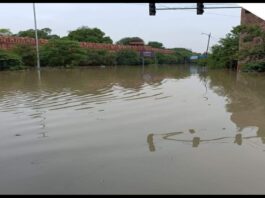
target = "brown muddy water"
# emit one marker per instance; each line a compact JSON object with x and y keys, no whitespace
{"x":132,"y":130}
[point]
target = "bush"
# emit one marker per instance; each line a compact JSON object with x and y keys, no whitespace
{"x":60,"y":52}
{"x":9,"y":60}
{"x":99,"y":57}
{"x":167,"y":58}
{"x":27,"y":54}
{"x":128,"y":57}
{"x":256,"y":66}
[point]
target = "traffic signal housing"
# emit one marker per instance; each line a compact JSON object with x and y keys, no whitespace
{"x":152,"y":9}
{"x":200,"y":7}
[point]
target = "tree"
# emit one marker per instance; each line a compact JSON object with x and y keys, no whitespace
{"x":42,"y":33}
{"x":60,"y":52}
{"x":5,"y":32}
{"x":127,"y":40}
{"x":86,"y":34}
{"x":155,"y":44}
{"x":225,"y":54}
{"x":47,"y":30}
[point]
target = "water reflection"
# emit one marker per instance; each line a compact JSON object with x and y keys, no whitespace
{"x":196,"y":141}
{"x":244,"y":94}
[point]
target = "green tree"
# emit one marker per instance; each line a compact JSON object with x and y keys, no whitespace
{"x":128,"y":40}
{"x":225,"y":53}
{"x":60,"y":52}
{"x":5,"y":32}
{"x":44,"y":33}
{"x":155,"y":44}
{"x":47,"y":30}
{"x":86,"y":34}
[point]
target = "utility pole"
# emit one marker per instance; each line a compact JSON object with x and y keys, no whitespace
{"x":36,"y":37}
{"x":209,"y":37}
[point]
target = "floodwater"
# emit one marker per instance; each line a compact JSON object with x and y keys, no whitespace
{"x":132,"y":130}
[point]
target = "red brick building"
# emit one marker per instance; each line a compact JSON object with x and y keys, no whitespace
{"x":248,"y":18}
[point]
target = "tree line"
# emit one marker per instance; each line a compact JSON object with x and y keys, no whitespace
{"x":66,"y":51}
{"x":227,"y":54}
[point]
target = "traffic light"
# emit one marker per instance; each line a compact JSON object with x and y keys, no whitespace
{"x":152,"y":9}
{"x":200,"y":7}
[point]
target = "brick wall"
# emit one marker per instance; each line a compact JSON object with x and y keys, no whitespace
{"x":248,"y":18}
{"x":9,"y":42}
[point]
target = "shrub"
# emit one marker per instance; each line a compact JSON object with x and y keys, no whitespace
{"x":256,"y":66}
{"x":128,"y":57}
{"x":59,"y":52}
{"x":27,"y":54}
{"x":9,"y":60}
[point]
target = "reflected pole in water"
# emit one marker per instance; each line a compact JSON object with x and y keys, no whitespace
{"x":150,"y":141}
{"x":39,"y":77}
{"x":155,"y":59}
{"x":36,"y":38}
{"x":143,"y":64}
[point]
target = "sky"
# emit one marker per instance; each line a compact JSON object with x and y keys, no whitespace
{"x":173,"y":28}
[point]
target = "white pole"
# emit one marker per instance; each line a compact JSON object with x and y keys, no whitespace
{"x":209,"y":36}
{"x":36,"y":37}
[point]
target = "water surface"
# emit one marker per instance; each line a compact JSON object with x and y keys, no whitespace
{"x":132,"y":130}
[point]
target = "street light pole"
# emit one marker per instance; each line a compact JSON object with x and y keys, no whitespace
{"x":36,"y":37}
{"x":209,"y":36}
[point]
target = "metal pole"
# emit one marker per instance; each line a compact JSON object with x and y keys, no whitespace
{"x":209,"y":36}
{"x":36,"y":37}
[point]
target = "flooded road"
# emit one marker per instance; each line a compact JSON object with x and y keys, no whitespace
{"x":132,"y":130}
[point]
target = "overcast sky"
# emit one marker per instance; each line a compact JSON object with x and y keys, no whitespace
{"x":174,"y":28}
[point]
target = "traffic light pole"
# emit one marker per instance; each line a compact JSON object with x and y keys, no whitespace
{"x":200,"y":8}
